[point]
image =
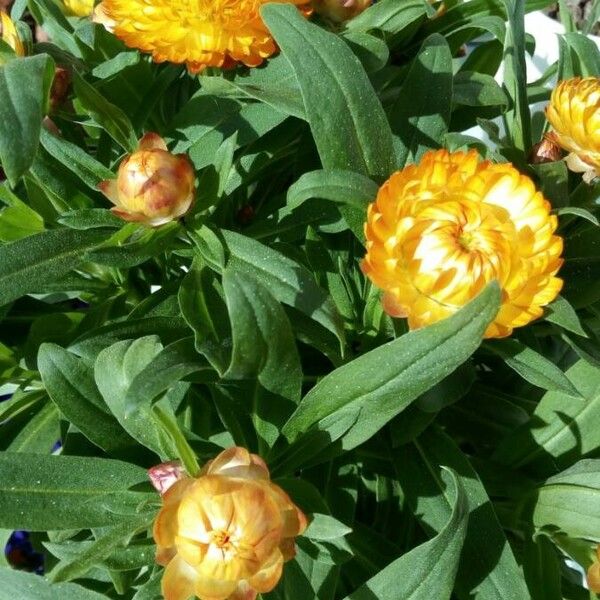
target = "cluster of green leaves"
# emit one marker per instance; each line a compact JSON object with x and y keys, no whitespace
{"x":431,"y":465}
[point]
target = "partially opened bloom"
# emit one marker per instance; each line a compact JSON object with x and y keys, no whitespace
{"x":440,"y":230}
{"x":341,"y":10}
{"x":203,"y":33}
{"x":10,"y":35}
{"x":79,"y":8}
{"x":574,"y":113}
{"x":152,"y":186}
{"x":225,"y":534}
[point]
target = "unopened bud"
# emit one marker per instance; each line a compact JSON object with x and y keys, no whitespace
{"x":163,"y":476}
{"x":152,"y":186}
{"x":548,"y":150}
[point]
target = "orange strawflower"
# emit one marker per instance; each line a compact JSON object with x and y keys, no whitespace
{"x":440,"y":230}
{"x":152,"y":186}
{"x":574,"y":113}
{"x":225,"y":534}
{"x":203,"y":33}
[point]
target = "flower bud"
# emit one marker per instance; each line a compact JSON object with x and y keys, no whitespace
{"x":10,"y":35}
{"x":574,"y":113}
{"x":165,"y":475}
{"x":152,"y":186}
{"x":341,"y":10}
{"x":548,"y":150}
{"x":225,"y":534}
{"x":60,"y":88}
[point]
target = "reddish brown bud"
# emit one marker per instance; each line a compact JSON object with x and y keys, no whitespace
{"x":545,"y":151}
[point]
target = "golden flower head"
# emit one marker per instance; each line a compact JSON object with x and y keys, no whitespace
{"x":574,"y":113}
{"x":203,"y":33}
{"x":152,"y":186}
{"x":341,"y":10}
{"x":226,"y":534}
{"x":79,"y":8}
{"x":440,"y":230}
{"x":10,"y":35}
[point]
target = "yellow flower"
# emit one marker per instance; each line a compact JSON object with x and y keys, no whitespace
{"x":439,"y":231}
{"x":203,"y":33}
{"x":9,"y":34}
{"x":341,"y":10}
{"x":226,"y":534}
{"x":79,"y":8}
{"x":152,"y":186}
{"x":574,"y":113}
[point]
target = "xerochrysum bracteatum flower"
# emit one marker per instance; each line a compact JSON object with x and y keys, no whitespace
{"x":201,"y":33}
{"x":152,"y":186}
{"x":440,"y":230}
{"x":574,"y":113}
{"x":225,"y":534}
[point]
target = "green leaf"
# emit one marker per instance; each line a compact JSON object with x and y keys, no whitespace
{"x":487,"y":567}
{"x":27,"y":264}
{"x":77,"y":160}
{"x":343,"y":187}
{"x":41,"y":493}
{"x":420,"y":126}
{"x":350,"y":130}
{"x":372,"y":389}
{"x":70,"y":385}
{"x":533,"y":367}
{"x":115,"y":371}
{"x":427,"y":571}
{"x":389,"y":16}
{"x":24,"y":91}
{"x":560,"y":428}
{"x":288,"y":281}
{"x":325,"y":527}
{"x":19,"y":584}
{"x":560,"y":312}
{"x":107,"y":115}
{"x":477,"y":89}
{"x":569,"y":501}
{"x":541,"y":564}
{"x":263,"y":340}
{"x":518,"y":120}
{"x":100,"y":549}
{"x":205,"y":312}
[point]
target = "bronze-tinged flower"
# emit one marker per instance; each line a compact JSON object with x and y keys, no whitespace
{"x":574,"y":113}
{"x":226,"y":534}
{"x":339,"y":11}
{"x":440,"y":230}
{"x":79,"y":8}
{"x":203,"y":33}
{"x":10,"y":35}
{"x":152,"y":186}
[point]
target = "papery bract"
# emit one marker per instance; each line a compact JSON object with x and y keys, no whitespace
{"x":152,"y":186}
{"x":574,"y":113}
{"x":441,"y":230}
{"x":206,"y":33}
{"x":226,"y":534}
